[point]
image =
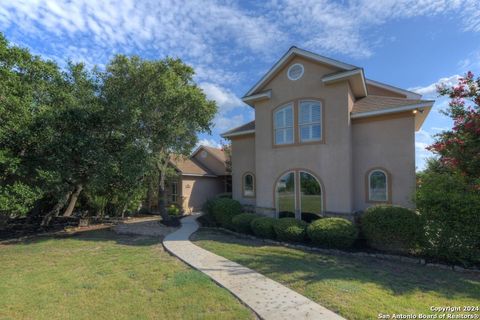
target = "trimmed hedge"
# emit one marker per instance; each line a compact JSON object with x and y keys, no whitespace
{"x":263,"y":227}
{"x":391,"y":228}
{"x":332,"y":232}
{"x":290,"y":229}
{"x":241,"y":223}
{"x":224,"y":209}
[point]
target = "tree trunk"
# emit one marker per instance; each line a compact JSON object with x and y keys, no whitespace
{"x":73,"y":200}
{"x":162,"y":198}
{"x":55,"y":210}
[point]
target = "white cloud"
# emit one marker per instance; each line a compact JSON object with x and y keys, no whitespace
{"x":225,"y":99}
{"x":209,"y":143}
{"x":423,"y":139}
{"x":430,"y":91}
{"x":224,"y":123}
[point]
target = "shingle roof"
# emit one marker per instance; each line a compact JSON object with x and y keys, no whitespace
{"x":375,"y":103}
{"x":219,"y":153}
{"x":244,"y":127}
{"x":189,"y":166}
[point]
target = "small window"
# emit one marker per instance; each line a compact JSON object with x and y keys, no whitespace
{"x":378,"y":186}
{"x":203,"y":154}
{"x":310,"y":121}
{"x":174,"y":191}
{"x":283,"y":125}
{"x":248,"y":185}
{"x":295,"y":71}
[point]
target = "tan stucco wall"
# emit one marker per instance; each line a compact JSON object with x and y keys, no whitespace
{"x":243,"y":161}
{"x":329,"y":161}
{"x":389,"y":144}
{"x":197,"y":190}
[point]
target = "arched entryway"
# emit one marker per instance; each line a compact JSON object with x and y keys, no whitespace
{"x":299,"y":193}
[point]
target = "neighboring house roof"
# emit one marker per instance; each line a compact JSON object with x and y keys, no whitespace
{"x":194,"y":166}
{"x":243,"y":129}
{"x":188,"y":166}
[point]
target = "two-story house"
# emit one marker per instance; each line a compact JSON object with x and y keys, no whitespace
{"x":325,"y":140}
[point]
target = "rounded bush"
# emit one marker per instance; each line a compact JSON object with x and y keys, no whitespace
{"x":332,"y":233}
{"x":263,"y":227}
{"x":290,"y":229}
{"x":173,"y":210}
{"x":241,"y":223}
{"x":224,"y":210}
{"x":391,"y":228}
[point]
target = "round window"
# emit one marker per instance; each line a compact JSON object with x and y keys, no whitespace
{"x":203,"y":154}
{"x":295,"y":71}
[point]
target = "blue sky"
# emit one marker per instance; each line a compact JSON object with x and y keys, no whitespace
{"x":231,"y":44}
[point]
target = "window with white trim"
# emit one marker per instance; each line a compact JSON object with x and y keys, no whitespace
{"x":283,"y":125}
{"x":377,"y":186}
{"x":310,"y":121}
{"x":248,"y":185}
{"x":174,"y":193}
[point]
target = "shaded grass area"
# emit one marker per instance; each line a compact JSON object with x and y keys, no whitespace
{"x":355,"y":287}
{"x":102,"y":275}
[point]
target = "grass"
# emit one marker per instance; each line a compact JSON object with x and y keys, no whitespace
{"x":101,"y":275}
{"x":355,"y":287}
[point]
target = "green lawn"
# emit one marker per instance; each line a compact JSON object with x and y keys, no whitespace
{"x":101,"y":275}
{"x":355,"y":287}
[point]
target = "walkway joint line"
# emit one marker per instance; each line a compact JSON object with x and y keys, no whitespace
{"x":269,"y":299}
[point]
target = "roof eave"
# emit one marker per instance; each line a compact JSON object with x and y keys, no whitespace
{"x":420,"y":117}
{"x":236,"y":134}
{"x":250,"y":100}
{"x":356,"y":79}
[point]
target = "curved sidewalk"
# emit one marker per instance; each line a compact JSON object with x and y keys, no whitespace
{"x":268,"y":298}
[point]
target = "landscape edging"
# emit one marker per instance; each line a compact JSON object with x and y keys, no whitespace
{"x":388,"y":257}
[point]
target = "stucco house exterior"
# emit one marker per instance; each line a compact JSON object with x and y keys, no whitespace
{"x":325,"y":140}
{"x":198,"y":178}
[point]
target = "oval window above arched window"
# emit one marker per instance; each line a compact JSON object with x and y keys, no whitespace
{"x":295,"y":71}
{"x":378,"y":186}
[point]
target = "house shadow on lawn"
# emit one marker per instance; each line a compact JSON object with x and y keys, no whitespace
{"x":311,"y":268}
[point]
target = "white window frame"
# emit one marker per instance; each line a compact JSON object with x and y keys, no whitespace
{"x":285,"y":128}
{"x":253,"y":185}
{"x":370,"y":185}
{"x":311,"y":123}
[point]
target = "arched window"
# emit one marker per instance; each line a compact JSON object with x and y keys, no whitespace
{"x":283,"y":125}
{"x":306,"y":199}
{"x":285,"y":195}
{"x":310,"y":121}
{"x":378,"y":185}
{"x":248,"y":185}
{"x":311,"y":203}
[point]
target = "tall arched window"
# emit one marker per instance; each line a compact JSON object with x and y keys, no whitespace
{"x":378,"y":185}
{"x":248,"y":185}
{"x":311,"y":203}
{"x":283,"y":125}
{"x":299,"y":194}
{"x":285,"y":195}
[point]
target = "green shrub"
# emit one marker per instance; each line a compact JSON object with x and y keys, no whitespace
{"x":263,"y":227}
{"x":391,"y":228}
{"x":173,"y":210}
{"x":449,"y":207}
{"x":241,"y":223}
{"x":332,"y":232}
{"x":207,"y":207}
{"x":227,"y":195}
{"x":224,"y":210}
{"x":290,"y":229}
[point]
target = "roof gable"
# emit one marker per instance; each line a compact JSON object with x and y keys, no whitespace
{"x":285,"y":59}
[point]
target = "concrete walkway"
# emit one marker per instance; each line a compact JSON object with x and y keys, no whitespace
{"x":269,"y":299}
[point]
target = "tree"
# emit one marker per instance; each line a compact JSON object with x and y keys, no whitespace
{"x":459,"y":148}
{"x":170,"y":107}
{"x":28,"y":87}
